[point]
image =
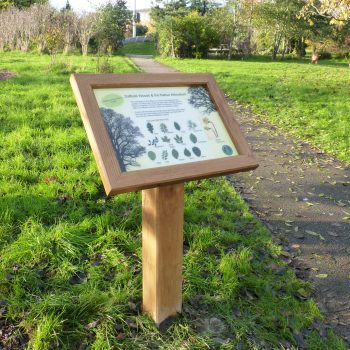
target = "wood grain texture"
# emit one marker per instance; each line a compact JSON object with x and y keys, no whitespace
{"x":162,"y":247}
{"x":114,"y":180}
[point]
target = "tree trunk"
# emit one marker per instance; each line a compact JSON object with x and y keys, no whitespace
{"x":301,"y":48}
{"x":284,"y":48}
{"x":84,"y":49}
{"x":12,"y":45}
{"x":276,"y":45}
{"x":41,"y":46}
{"x":172,"y":43}
{"x":66,"y":49}
{"x":229,"y":56}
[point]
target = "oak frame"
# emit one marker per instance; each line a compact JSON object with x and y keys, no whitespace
{"x":114,"y":180}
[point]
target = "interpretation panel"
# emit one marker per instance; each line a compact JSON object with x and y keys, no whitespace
{"x":160,"y":126}
{"x":148,"y":130}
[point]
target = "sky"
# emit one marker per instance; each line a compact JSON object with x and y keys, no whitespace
{"x":89,"y":5}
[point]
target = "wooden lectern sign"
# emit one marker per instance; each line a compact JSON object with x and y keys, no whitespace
{"x":153,"y":132}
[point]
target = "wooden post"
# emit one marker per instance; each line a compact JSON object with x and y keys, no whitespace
{"x":162,"y":247}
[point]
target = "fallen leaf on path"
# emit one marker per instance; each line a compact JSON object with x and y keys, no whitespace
{"x":333,"y":234}
{"x":322,"y":275}
{"x":312,"y":233}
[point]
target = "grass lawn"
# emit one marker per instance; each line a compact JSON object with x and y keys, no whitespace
{"x":146,"y":48}
{"x":310,"y":101}
{"x":71,"y":258}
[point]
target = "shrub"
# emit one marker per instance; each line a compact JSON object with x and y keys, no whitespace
{"x":325,"y":55}
{"x":141,"y":30}
{"x":188,"y":36}
{"x":103,"y":65}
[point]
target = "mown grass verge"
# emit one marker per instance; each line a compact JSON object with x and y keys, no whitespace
{"x":71,"y":257}
{"x":309,"y":101}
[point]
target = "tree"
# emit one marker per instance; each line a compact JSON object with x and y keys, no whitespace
{"x":279,"y":21}
{"x":229,"y":24}
{"x":42,"y":15}
{"x":337,"y":10}
{"x":68,"y":24}
{"x":187,"y":36}
{"x":21,"y":3}
{"x":68,"y":6}
{"x":172,"y":8}
{"x":202,"y":6}
{"x":5,"y":4}
{"x":124,"y":136}
{"x":8,"y":28}
{"x":86,"y":23}
{"x":54,"y":37}
{"x":112,"y":24}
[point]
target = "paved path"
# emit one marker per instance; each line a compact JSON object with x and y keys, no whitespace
{"x":303,"y":196}
{"x":148,"y":65}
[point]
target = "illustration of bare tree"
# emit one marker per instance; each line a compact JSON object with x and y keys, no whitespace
{"x":200,"y":99}
{"x":124,"y":138}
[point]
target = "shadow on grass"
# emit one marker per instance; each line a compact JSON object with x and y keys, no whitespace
{"x":83,"y":258}
{"x":267,"y":59}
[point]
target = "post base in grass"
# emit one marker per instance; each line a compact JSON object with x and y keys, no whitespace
{"x":162,"y":247}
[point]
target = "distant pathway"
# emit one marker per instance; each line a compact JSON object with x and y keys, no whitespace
{"x":303,"y":197}
{"x":148,"y":65}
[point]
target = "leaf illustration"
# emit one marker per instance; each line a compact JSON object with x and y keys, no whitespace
{"x":151,"y":155}
{"x":193,"y":138}
{"x":175,"y":153}
{"x":177,"y":126}
{"x":196,"y":151}
{"x":165,"y":139}
{"x":178,"y":139}
{"x":165,"y":155}
{"x":163,"y":128}
{"x":191,"y":125}
{"x":187,"y":153}
{"x":227,"y":150}
{"x":150,"y":127}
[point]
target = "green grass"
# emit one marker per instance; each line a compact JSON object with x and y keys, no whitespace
{"x":309,"y":101}
{"x":146,"y":48}
{"x":71,"y":257}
